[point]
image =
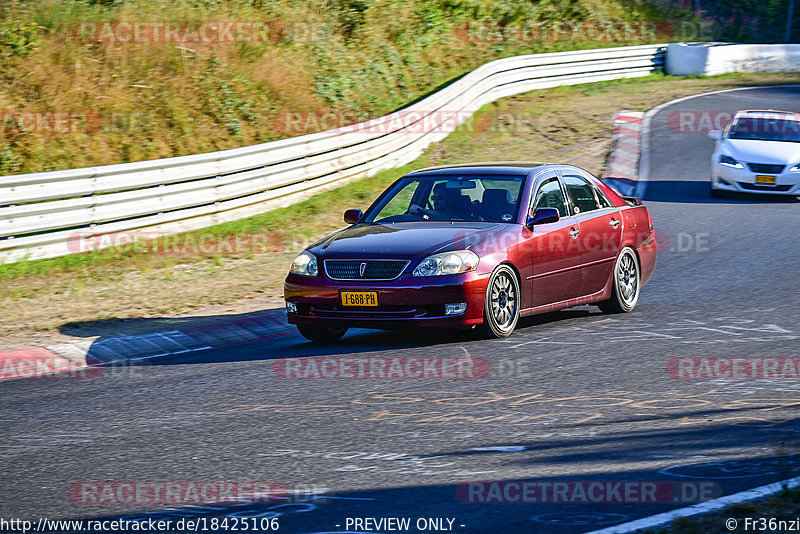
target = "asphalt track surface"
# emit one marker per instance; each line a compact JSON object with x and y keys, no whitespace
{"x":571,"y":396}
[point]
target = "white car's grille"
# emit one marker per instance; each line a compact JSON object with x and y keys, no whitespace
{"x":766,"y":168}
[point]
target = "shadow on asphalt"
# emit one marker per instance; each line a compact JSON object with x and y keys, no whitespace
{"x":254,"y":336}
{"x":699,"y":192}
{"x":480,"y":503}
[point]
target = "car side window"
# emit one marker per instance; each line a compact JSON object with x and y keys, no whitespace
{"x":549,"y":195}
{"x":602,"y":199}
{"x":581,"y":193}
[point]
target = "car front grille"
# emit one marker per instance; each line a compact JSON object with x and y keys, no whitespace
{"x":358,"y":312}
{"x":762,"y":187}
{"x":767,"y":169}
{"x":371,"y":270}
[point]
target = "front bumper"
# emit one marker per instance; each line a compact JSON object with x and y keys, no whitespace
{"x":405,"y":302}
{"x":724,"y":178}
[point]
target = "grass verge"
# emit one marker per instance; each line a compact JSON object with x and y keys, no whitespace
{"x":783,"y":506}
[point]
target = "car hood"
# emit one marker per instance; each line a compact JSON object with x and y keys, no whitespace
{"x":772,"y":152}
{"x":403,"y":240}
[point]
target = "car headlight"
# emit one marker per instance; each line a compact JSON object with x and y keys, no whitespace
{"x":796,"y":168}
{"x":305,"y":264}
{"x":730,"y":162}
{"x":456,"y":262}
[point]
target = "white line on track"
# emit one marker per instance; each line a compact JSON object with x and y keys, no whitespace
{"x":659,"y":520}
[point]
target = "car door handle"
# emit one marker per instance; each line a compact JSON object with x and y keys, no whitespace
{"x":613,"y":222}
{"x":573,"y":233}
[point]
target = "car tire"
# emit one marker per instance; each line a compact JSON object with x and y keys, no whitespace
{"x":320,"y":333}
{"x":625,"y":285}
{"x":501,"y":303}
{"x":716,"y":193}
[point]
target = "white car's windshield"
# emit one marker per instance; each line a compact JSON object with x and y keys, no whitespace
{"x":449,"y":198}
{"x":766,"y":129}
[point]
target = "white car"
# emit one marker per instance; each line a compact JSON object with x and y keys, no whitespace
{"x":758,"y":152}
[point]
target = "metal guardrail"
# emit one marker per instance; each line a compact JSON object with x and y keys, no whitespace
{"x":41,"y":213}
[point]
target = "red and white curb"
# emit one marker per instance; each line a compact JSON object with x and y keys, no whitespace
{"x":661,"y":520}
{"x":75,"y":357}
{"x":622,"y":168}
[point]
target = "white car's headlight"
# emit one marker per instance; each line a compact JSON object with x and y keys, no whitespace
{"x":796,"y":168}
{"x":730,"y":162}
{"x":459,"y":261}
{"x":305,"y":264}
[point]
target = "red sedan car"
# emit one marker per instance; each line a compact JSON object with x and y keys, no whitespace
{"x":474,"y":245}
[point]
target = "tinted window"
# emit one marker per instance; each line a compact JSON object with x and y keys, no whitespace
{"x":581,"y":193}
{"x":549,"y":195}
{"x":399,"y":203}
{"x":766,"y":128}
{"x":449,"y":198}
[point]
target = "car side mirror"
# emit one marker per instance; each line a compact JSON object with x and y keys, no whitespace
{"x":716,"y":135}
{"x":352,"y":216}
{"x":542,"y":216}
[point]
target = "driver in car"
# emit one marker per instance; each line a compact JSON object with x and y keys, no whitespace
{"x":445,"y":204}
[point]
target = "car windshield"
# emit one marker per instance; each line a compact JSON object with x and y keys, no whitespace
{"x":766,"y":128}
{"x":449,"y":198}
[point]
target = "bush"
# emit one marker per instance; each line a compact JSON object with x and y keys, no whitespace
{"x":18,"y":38}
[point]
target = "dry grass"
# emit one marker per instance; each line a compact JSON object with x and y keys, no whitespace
{"x":784,"y":506}
{"x":152,"y":100}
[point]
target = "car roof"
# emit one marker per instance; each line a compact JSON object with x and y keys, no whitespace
{"x":514,"y":168}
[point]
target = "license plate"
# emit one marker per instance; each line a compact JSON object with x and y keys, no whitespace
{"x":359,"y":298}
{"x":765,"y":179}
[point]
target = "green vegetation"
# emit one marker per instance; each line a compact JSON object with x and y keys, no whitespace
{"x":749,"y":21}
{"x":153,"y":97}
{"x":18,"y":38}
